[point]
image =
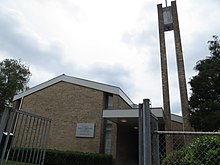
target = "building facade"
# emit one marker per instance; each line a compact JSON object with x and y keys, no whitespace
{"x":88,"y":117}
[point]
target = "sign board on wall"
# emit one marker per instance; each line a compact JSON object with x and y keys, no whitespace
{"x":85,"y":130}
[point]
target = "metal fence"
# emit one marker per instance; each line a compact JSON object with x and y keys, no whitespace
{"x":186,"y":148}
{"x":23,"y":137}
{"x":174,"y":147}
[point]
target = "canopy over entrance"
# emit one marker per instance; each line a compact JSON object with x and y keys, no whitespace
{"x":130,"y":116}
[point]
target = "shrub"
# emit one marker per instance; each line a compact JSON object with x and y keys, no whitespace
{"x":55,"y":157}
{"x":203,"y":150}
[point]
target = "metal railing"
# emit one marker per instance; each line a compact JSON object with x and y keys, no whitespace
{"x":23,"y":137}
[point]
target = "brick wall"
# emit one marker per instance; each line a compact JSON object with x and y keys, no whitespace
{"x":176,"y":126}
{"x":68,"y":104}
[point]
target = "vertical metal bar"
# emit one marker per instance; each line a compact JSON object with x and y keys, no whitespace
{"x":3,"y":122}
{"x":33,"y":142}
{"x":40,"y":141}
{"x":22,"y":135}
{"x":140,"y":135}
{"x":37,"y":139}
{"x":20,"y":105}
{"x":15,"y":126}
{"x":11,"y":124}
{"x":19,"y":108}
{"x":13,"y":135}
{"x":146,"y":133}
{"x":27,"y":140}
{"x":17,"y":135}
{"x":26,"y":137}
{"x":46,"y":140}
{"x":7,"y":132}
{"x":30,"y":131}
{"x":43,"y":147}
{"x":30,"y":140}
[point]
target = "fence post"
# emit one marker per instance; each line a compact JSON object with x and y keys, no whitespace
{"x":140,"y":135}
{"x":9,"y":130}
{"x":3,"y":122}
{"x":146,"y":133}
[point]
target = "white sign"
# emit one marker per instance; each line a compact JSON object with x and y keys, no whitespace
{"x":85,"y":129}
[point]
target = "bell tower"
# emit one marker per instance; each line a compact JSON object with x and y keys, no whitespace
{"x":168,"y":21}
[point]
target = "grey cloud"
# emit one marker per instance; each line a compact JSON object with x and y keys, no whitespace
{"x":26,"y":47}
{"x":69,"y":7}
{"x":144,"y":38}
{"x":29,"y":49}
{"x":115,"y":75}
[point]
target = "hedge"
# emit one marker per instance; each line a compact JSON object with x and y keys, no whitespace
{"x":56,"y":157}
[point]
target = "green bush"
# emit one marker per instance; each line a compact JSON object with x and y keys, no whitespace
{"x":55,"y":157}
{"x":204,"y":150}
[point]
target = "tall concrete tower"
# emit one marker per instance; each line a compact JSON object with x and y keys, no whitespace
{"x":168,"y":21}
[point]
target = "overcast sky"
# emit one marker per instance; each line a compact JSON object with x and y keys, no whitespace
{"x":109,"y":41}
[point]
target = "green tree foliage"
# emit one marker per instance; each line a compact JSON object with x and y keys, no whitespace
{"x":14,"y":77}
{"x":203,"y":151}
{"x":205,"y":99}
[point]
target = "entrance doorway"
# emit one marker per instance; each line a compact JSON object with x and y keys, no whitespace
{"x":127,"y":144}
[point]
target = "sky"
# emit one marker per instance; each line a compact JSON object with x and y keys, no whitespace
{"x":109,"y":41}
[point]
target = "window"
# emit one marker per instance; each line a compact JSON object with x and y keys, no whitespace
{"x":108,"y":124}
{"x":109,"y":101}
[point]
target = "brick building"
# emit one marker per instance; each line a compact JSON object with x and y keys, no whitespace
{"x":89,"y":116}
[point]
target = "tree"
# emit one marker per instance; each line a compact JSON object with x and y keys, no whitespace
{"x":14,"y":77}
{"x":205,"y":99}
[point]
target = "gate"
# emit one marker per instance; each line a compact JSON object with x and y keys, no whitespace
{"x":23,"y":137}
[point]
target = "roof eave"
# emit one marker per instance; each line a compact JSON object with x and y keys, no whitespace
{"x":77,"y":81}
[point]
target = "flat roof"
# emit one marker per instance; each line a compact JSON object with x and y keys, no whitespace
{"x":134,"y":113}
{"x":77,"y":81}
{"x":130,"y":113}
{"x":176,"y":118}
